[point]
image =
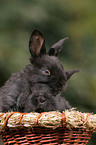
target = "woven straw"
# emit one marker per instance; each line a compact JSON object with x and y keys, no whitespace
{"x":69,"y":127}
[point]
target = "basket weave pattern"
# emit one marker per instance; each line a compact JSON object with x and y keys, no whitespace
{"x":39,"y":136}
{"x":52,"y":128}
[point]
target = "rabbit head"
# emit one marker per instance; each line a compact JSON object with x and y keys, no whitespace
{"x":41,"y":100}
{"x":45,"y":68}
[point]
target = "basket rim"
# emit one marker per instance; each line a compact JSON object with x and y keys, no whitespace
{"x":53,"y":119}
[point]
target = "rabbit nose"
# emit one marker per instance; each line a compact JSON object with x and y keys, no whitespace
{"x":41,"y":99}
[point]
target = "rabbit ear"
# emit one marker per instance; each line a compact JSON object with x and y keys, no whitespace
{"x":71,"y":72}
{"x":57,"y":47}
{"x":37,"y":44}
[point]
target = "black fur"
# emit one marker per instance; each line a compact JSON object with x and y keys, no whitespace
{"x":41,"y":100}
{"x":44,"y":69}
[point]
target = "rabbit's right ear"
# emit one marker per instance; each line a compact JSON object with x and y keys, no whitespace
{"x":37,"y":44}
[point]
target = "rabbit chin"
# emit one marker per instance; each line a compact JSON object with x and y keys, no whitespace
{"x":39,"y":110}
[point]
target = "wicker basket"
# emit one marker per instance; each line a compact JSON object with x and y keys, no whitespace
{"x":54,"y":128}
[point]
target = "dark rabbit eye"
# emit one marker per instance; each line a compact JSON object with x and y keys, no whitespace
{"x":47,"y":72}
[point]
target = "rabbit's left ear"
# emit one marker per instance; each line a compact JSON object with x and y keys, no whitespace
{"x":37,"y":44}
{"x":57,"y":47}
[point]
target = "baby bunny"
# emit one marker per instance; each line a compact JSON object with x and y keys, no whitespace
{"x":44,"y":68}
{"x":41,"y":100}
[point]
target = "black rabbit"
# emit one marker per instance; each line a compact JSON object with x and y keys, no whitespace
{"x":44,"y":68}
{"x":41,"y":100}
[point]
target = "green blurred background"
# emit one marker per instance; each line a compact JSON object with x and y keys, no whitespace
{"x":55,"y":19}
